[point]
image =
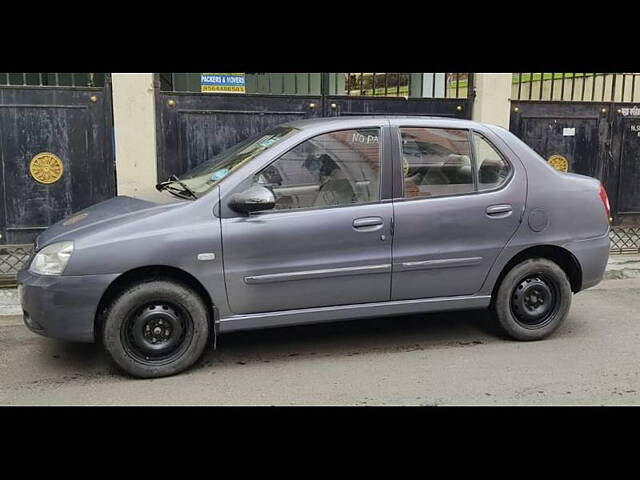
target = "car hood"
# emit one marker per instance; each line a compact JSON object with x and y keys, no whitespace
{"x":115,"y":211}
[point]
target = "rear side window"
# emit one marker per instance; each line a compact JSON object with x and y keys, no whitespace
{"x":436,"y":162}
{"x":492,"y":169}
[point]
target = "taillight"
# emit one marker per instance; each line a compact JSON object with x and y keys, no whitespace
{"x":605,"y":202}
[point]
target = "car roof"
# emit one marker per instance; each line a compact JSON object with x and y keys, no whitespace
{"x":324,"y":122}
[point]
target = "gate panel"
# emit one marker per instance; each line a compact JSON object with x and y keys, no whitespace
{"x":627,"y":196}
{"x":606,"y":145}
{"x":580,"y":132}
{"x":598,"y":105}
{"x":72,"y":123}
{"x":194,"y":127}
{"x":626,"y":152}
{"x":442,"y":107}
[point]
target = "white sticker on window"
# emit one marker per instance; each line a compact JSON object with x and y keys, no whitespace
{"x":568,"y":132}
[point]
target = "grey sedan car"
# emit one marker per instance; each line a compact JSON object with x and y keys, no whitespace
{"x":318,"y":221}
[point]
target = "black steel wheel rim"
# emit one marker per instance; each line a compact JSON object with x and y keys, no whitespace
{"x":535,"y":300}
{"x":157,"y":333}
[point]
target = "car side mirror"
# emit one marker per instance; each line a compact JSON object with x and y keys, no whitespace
{"x":252,"y":199}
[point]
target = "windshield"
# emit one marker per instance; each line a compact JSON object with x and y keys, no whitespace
{"x":208,"y":174}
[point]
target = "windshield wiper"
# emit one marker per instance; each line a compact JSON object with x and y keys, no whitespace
{"x":168,"y":185}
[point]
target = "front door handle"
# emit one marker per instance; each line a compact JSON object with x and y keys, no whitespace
{"x":368,"y":224}
{"x":499,"y":211}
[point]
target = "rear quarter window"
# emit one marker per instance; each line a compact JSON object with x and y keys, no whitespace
{"x":491,"y":167}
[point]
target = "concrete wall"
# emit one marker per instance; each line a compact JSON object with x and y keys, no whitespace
{"x":492,"y":101}
{"x":134,"y":122}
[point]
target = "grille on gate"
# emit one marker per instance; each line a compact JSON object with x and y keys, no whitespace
{"x":624,"y":239}
{"x":12,"y":259}
{"x":576,"y":87}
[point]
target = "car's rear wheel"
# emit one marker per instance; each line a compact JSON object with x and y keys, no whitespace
{"x":156,"y":328}
{"x":532,"y":300}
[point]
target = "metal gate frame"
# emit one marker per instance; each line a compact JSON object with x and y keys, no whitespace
{"x":610,"y":137}
{"x":173,"y":107}
{"x":625,"y":230}
{"x":97,"y":101}
{"x":618,"y":134}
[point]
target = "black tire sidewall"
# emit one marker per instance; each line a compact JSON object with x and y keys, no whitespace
{"x":501,"y":306}
{"x":137,"y":295}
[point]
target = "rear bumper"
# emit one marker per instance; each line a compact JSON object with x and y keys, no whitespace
{"x":62,"y":307}
{"x":592,"y":254}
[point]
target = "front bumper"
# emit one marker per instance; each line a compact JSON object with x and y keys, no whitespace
{"x":62,"y":307}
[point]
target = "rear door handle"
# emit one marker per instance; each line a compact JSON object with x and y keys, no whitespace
{"x":499,"y":211}
{"x":368,"y":224}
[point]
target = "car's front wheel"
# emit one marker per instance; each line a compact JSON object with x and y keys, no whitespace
{"x":532,"y":300}
{"x":156,"y":328}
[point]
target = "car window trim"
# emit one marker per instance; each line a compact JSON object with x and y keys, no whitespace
{"x":474,"y":162}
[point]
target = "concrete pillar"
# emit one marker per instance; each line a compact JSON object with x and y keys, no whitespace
{"x":134,"y":122}
{"x":492,"y":103}
{"x":433,"y":88}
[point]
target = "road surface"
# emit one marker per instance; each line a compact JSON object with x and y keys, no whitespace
{"x":440,"y":359}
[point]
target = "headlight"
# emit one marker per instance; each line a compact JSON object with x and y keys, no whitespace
{"x":52,"y":259}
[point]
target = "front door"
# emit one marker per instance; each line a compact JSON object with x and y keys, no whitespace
{"x":327,"y":241}
{"x":462,"y":201}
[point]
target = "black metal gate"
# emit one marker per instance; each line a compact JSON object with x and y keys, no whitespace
{"x":596,"y":129}
{"x":56,"y":153}
{"x":591,"y":120}
{"x":597,"y":139}
{"x":192,"y":126}
{"x":579,"y":132}
{"x":624,"y":182}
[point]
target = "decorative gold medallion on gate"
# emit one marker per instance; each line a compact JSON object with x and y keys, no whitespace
{"x":559,"y":163}
{"x":46,"y":168}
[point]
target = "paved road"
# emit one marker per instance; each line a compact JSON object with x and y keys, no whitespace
{"x":442,"y":359}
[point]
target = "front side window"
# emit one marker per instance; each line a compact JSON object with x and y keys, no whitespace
{"x":436,"y":162}
{"x":337,"y":168}
{"x":493,"y":170}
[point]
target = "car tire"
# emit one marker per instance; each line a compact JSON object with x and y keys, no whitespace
{"x":532,"y":300}
{"x":156,"y":328}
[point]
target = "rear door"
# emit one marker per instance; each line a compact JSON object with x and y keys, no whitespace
{"x":461,"y":201}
